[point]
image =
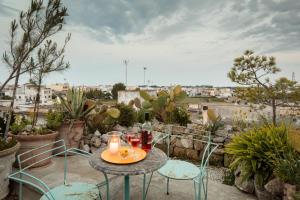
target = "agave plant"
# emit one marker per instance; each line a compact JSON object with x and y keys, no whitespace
{"x":75,"y":104}
{"x":164,"y":104}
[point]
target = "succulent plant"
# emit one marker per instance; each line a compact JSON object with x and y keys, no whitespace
{"x":103,"y":119}
{"x":164,"y":104}
{"x":75,"y":104}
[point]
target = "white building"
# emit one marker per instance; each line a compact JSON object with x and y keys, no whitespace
{"x":26,"y":94}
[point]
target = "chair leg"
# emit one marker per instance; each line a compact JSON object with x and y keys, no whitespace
{"x":144,"y":187}
{"x":107,"y":186}
{"x":20,"y":191}
{"x":196,"y":191}
{"x":168,"y":180}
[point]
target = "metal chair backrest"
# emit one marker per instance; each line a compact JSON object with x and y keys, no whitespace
{"x":58,"y":146}
{"x":210,"y":147}
{"x":60,"y":149}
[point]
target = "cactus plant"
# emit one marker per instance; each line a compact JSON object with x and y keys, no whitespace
{"x":103,"y":119}
{"x":75,"y":105}
{"x":164,"y":104}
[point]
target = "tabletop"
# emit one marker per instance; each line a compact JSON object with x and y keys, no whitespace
{"x":154,"y":160}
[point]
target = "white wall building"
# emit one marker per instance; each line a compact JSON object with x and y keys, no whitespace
{"x":26,"y":94}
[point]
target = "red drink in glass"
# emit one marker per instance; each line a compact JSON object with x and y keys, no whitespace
{"x":135,"y":141}
{"x":129,"y":136}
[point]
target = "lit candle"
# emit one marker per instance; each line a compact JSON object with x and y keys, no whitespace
{"x":114,"y":144}
{"x":114,"y":147}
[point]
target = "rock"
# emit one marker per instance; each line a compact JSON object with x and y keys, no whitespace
{"x":179,"y":152}
{"x":94,"y":149}
{"x":263,"y":194}
{"x":289,"y":191}
{"x":198,"y":145}
{"x":120,"y":128}
{"x":221,"y":133}
{"x":218,"y":140}
{"x":275,"y":187}
{"x":246,"y":186}
{"x":86,"y":148}
{"x":187,"y":142}
{"x":96,"y":142}
{"x":228,"y":159}
{"x":97,"y":133}
{"x":216,"y":160}
{"x":104,"y":138}
{"x":192,"y":154}
{"x":228,"y":128}
{"x":28,"y":128}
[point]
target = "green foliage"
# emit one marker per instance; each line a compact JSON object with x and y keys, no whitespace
{"x":97,"y":94}
{"x":75,"y":105}
{"x":19,"y":124}
{"x":127,"y":116}
{"x":5,"y":97}
{"x":256,"y":150}
{"x":215,"y":122}
{"x":229,"y":177}
{"x":180,"y":116}
{"x":103,"y":119}
{"x":54,"y":120}
{"x":165,"y":104}
{"x":116,"y":88}
{"x":253,"y":71}
{"x":287,"y":168}
{"x":7,"y":144}
{"x":141,"y":115}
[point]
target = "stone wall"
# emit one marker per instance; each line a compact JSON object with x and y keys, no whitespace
{"x":184,"y":142}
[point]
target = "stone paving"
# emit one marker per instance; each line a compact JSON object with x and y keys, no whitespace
{"x":79,"y":170}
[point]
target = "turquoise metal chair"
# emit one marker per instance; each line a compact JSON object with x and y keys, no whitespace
{"x":182,"y":170}
{"x":67,"y":191}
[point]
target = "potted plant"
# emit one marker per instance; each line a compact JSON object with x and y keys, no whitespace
{"x":75,"y":107}
{"x":8,"y":149}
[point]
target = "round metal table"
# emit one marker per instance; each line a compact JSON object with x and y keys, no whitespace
{"x":154,"y":160}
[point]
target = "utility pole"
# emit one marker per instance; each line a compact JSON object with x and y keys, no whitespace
{"x":145,"y":68}
{"x":293,"y":76}
{"x":125,"y":63}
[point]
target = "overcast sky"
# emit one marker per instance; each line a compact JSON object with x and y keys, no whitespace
{"x":188,"y":42}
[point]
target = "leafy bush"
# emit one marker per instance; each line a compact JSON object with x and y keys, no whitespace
{"x":215,"y":122}
{"x":288,"y":168}
{"x":54,"y":120}
{"x":19,"y":124}
{"x":256,"y":151}
{"x":127,"y":115}
{"x":180,"y":116}
{"x":7,"y":144}
{"x":103,"y":119}
{"x":141,"y":115}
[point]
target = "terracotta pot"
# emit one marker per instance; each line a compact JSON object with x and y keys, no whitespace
{"x":7,"y":158}
{"x":289,"y":191}
{"x":71,"y":133}
{"x":29,"y":142}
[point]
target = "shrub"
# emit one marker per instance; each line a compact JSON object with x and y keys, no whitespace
{"x":6,"y":145}
{"x":180,"y":116}
{"x":256,"y":151}
{"x":54,"y":120}
{"x":141,"y":115}
{"x":19,"y":124}
{"x":128,"y":115}
{"x":287,"y":168}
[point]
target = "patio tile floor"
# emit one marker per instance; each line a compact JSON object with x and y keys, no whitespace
{"x":80,"y":170}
